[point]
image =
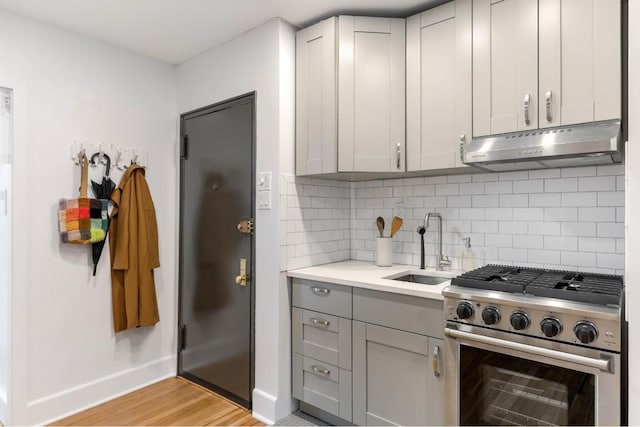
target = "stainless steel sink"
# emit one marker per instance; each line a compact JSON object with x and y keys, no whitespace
{"x":423,"y":279}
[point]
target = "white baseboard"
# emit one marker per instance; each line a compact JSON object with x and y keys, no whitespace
{"x":264,"y":406}
{"x":68,"y":402}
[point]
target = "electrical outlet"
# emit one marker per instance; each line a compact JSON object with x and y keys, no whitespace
{"x":398,"y":209}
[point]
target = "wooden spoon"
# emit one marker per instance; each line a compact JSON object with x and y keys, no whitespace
{"x":380,"y":224}
{"x":396,"y":224}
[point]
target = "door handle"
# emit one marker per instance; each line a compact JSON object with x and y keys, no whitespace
{"x":242,"y":279}
{"x":462,"y":141}
{"x":437,"y":363}
{"x":547,"y":101}
{"x":527,"y":104}
{"x":398,"y":155}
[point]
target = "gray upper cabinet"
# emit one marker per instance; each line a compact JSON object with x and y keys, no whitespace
{"x":316,"y":104}
{"x":545,"y":63}
{"x":350,"y":96}
{"x":438,"y":86}
{"x":371,"y":94}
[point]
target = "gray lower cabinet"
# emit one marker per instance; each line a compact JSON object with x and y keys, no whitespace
{"x":395,"y":379}
{"x":367,"y":357}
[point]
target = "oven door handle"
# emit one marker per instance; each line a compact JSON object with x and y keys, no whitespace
{"x":605,"y":365}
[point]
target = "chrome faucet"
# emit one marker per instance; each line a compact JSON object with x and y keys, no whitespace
{"x":443,"y":261}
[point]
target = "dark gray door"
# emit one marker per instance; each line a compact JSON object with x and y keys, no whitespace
{"x":217,"y":194}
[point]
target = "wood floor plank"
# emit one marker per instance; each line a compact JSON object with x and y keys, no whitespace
{"x":171,"y":402}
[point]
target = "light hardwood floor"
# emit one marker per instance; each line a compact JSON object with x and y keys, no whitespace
{"x":171,"y":402}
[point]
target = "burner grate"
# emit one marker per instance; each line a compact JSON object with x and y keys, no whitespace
{"x":502,"y":278}
{"x":580,"y":287}
{"x":601,"y":289}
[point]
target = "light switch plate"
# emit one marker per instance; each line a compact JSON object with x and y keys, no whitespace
{"x":264,"y":181}
{"x":264,"y":199}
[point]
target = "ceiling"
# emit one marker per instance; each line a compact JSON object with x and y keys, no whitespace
{"x":176,"y":30}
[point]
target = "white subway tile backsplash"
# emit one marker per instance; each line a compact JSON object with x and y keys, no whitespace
{"x":599,"y":183}
{"x":544,"y":173}
{"x":551,"y":218}
{"x":514,"y":201}
{"x":610,"y":170}
{"x":560,"y":214}
{"x":561,"y":243}
{"x":500,"y":187}
{"x":529,"y":186}
{"x":611,"y":198}
{"x":528,"y":214}
{"x":597,"y":214}
{"x":560,"y":185}
{"x":545,"y":200}
{"x":579,"y":199}
{"x":611,"y":229}
{"x":586,"y":229}
{"x":584,"y":171}
{"x":594,"y":244}
{"x":528,"y":242}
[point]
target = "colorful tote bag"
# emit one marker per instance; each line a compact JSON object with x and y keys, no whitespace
{"x":83,"y":221}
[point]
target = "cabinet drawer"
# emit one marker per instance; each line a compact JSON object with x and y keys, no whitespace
{"x":322,"y":297}
{"x":322,"y":336}
{"x":322,"y":385}
{"x":408,"y":313}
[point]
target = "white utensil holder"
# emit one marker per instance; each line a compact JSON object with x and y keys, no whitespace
{"x":384,"y":254}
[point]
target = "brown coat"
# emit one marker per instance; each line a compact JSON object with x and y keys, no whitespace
{"x":133,"y":242}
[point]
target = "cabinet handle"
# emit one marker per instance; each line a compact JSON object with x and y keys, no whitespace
{"x":320,"y":371}
{"x":462,"y":141}
{"x":320,"y":291}
{"x":436,"y":361}
{"x":398,"y":155}
{"x":527,"y":102}
{"x":548,"y":105}
{"x":319,"y":322}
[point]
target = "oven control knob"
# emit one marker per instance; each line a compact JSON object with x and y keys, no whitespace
{"x":490,"y":315}
{"x":464,"y":310}
{"x":586,"y":332}
{"x":520,"y":320}
{"x":550,"y":326}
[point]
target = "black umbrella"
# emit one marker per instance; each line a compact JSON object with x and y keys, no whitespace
{"x":102,"y":191}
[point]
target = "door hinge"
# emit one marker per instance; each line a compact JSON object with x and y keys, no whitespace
{"x":182,"y":338}
{"x":184,"y":146}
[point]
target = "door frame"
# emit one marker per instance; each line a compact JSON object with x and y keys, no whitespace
{"x":250,"y":97}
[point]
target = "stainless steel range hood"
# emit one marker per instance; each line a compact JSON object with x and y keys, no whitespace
{"x":577,"y":145}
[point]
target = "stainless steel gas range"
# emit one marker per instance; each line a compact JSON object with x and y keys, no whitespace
{"x":530,"y":346}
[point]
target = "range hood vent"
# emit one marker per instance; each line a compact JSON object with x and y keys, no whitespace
{"x":576,"y":145}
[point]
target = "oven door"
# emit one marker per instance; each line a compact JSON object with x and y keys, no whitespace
{"x":500,"y":378}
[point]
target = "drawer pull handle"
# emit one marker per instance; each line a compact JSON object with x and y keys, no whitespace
{"x":320,"y":291}
{"x":320,"y":371}
{"x":319,"y":322}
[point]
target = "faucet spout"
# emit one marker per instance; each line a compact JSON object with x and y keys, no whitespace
{"x":442,"y":261}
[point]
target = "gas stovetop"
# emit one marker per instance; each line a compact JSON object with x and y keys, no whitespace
{"x":571,"y":307}
{"x":591,"y":288}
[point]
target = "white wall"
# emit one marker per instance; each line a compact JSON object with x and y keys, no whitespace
{"x":633,"y":213}
{"x":261,"y":60}
{"x":65,"y":354}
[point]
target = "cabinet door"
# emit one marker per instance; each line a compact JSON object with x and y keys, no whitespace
{"x":316,"y":108}
{"x":505,"y":66}
{"x":392,"y":378}
{"x":580,"y":71}
{"x":438,"y":86}
{"x":371,"y":94}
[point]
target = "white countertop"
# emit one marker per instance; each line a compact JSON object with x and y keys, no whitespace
{"x":365,"y":274}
